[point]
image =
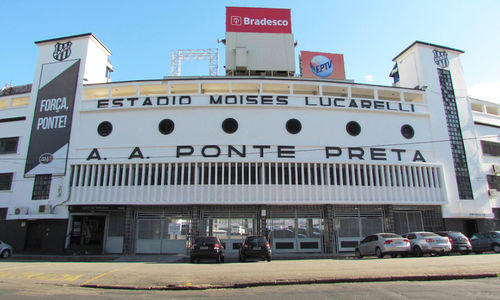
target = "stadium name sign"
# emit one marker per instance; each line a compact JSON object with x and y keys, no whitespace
{"x":253,"y":100}
{"x":279,"y":151}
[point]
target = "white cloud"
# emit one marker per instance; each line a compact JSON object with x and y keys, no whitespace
{"x":369,"y":78}
{"x":489,"y":91}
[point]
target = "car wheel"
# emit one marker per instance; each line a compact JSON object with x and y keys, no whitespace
{"x":6,"y":254}
{"x":358,"y":254}
{"x":496,"y":248}
{"x":379,"y":253}
{"x":394,"y":255}
{"x":417,"y":251}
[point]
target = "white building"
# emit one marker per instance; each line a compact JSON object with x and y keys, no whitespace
{"x":316,"y":164}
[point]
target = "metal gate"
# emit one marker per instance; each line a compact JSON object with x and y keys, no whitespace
{"x":296,"y":230}
{"x":231,"y":226}
{"x":162,"y":232}
{"x":352,"y":225}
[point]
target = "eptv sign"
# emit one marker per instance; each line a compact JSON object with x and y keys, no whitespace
{"x":322,"y":65}
{"x":261,"y":20}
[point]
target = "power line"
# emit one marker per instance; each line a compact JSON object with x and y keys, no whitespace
{"x":23,"y":160}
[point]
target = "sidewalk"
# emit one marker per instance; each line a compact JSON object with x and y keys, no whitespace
{"x":166,"y":258}
{"x":153,"y":272}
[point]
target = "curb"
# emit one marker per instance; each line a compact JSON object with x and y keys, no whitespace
{"x":299,"y":282}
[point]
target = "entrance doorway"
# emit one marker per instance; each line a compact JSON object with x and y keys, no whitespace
{"x":34,"y":235}
{"x":295,"y":234}
{"x":470,"y":227}
{"x":87,"y":234}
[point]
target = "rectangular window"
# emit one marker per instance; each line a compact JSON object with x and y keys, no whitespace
{"x":8,"y":145}
{"x":493,"y":182}
{"x":5,"y":181}
{"x":41,"y":188}
{"x":490,"y":148}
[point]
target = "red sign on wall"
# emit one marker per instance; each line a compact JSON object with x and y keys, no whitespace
{"x":322,"y":65}
{"x":262,"y":20}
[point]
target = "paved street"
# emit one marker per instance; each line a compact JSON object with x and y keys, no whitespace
{"x":155,"y":274}
{"x":486,"y":288}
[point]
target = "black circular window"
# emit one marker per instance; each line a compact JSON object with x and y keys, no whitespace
{"x":105,"y":128}
{"x":166,"y":126}
{"x":230,"y":125}
{"x":353,"y":128}
{"x":407,"y":131}
{"x":293,"y":126}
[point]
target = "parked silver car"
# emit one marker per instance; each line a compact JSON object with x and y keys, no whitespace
{"x":428,"y":242}
{"x":5,"y":250}
{"x":459,"y":242}
{"x":380,"y":244}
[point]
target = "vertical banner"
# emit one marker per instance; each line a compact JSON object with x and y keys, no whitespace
{"x":51,"y":129}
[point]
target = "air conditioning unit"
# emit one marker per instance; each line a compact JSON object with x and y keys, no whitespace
{"x":21,"y":211}
{"x":493,"y":193}
{"x":44,"y":209}
{"x":496,"y":169}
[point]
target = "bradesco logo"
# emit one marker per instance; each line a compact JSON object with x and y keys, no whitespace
{"x":236,"y":20}
{"x":321,"y":66}
{"x":262,"y":20}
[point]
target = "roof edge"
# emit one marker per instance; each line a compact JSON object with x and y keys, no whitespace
{"x":74,"y":36}
{"x":426,"y":44}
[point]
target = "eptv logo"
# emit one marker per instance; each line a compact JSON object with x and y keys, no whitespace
{"x":236,"y":20}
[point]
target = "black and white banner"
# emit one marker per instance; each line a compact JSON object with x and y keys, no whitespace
{"x":51,"y":129}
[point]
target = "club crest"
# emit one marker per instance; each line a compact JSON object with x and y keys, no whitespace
{"x":441,"y":58}
{"x":62,"y":51}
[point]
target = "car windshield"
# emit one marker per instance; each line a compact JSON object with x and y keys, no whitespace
{"x":205,"y":240}
{"x":390,"y":236}
{"x":428,"y":234}
{"x":256,"y":239}
{"x":456,"y":234}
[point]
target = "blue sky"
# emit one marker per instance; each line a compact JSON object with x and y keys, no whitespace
{"x":141,"y":34}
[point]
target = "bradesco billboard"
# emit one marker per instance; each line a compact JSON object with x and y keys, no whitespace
{"x":322,"y":65}
{"x":261,"y":20}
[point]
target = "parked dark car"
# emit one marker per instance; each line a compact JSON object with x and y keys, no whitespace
{"x":207,"y":247}
{"x":486,"y":241}
{"x":255,"y":247}
{"x":459,"y":242}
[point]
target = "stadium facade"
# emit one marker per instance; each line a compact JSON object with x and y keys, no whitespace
{"x":314,"y":161}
